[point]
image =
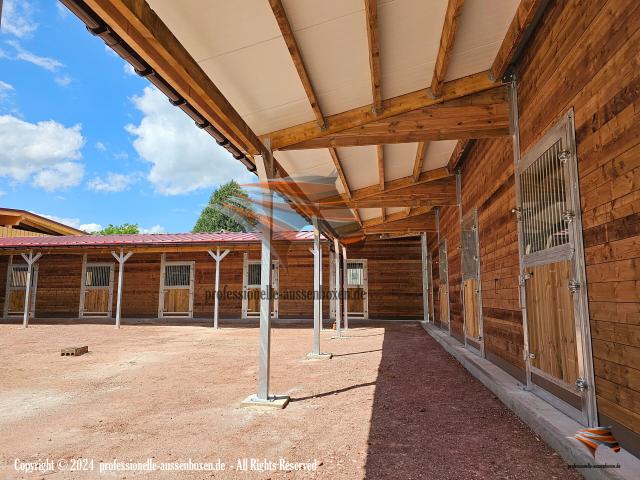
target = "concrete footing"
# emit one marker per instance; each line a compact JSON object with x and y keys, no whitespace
{"x":275,"y":402}
{"x":319,"y":356}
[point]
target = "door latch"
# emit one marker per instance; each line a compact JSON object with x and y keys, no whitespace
{"x":532,"y":356}
{"x":581,"y":384}
{"x":568,"y":216}
{"x":518,"y":213}
{"x":564,"y":155}
{"x":574,"y":286}
{"x":523,"y":278}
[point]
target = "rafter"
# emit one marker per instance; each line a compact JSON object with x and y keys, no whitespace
{"x":343,"y":179}
{"x":372,"y":222}
{"x":356,"y":117}
{"x":419,"y":161}
{"x":484,"y":114}
{"x":296,"y":56}
{"x":417,"y":223}
{"x":371,"y":11}
{"x":516,"y":36}
{"x":454,"y":9}
{"x":380,"y":156}
{"x":461,"y":148}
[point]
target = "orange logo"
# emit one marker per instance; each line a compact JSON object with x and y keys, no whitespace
{"x":593,"y":437}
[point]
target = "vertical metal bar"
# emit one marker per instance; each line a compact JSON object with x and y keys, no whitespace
{"x":217,"y":292}
{"x":265,"y":170}
{"x":336,"y":247}
{"x":321,"y":289}
{"x":120,"y":280}
{"x":346,"y":288}
{"x":317,"y":293}
{"x":27,"y":293}
{"x":425,"y":278}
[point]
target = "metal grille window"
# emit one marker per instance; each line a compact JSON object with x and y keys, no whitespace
{"x":544,"y":196}
{"x":254,"y":272}
{"x":19,"y":276}
{"x":442,"y":263}
{"x":355,"y":274}
{"x":469,"y":249}
{"x":177,"y":275}
{"x":97,"y":276}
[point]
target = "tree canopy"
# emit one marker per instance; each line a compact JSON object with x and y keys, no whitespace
{"x":226,"y":210}
{"x":118,"y":229}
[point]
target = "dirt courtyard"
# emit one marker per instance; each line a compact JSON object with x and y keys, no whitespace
{"x":390,"y":404}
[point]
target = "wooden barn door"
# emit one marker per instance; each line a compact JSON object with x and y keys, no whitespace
{"x":443,"y":290}
{"x":471,"y":297}
{"x":552,"y":280}
{"x":357,"y":288}
{"x":176,"y":295}
{"x":17,"y":287}
{"x":252,"y":272}
{"x":96,"y":291}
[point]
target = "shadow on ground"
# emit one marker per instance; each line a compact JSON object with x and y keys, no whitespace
{"x":432,"y":420}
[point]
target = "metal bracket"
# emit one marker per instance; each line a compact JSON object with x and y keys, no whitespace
{"x":518,"y":213}
{"x":574,"y":286}
{"x":564,"y":156}
{"x":568,"y":216}
{"x":581,"y":384}
{"x":523,"y":278}
{"x":532,"y":356}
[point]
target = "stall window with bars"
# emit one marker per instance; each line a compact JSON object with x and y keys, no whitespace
{"x":97,"y":276}
{"x":544,"y":199}
{"x":177,"y":275}
{"x":469,"y":251}
{"x":355,"y":274}
{"x":19,"y":276}
{"x":254,"y":273}
{"x":442,"y":263}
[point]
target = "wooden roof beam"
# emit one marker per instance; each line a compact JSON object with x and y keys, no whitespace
{"x":343,"y":180}
{"x":296,"y":57}
{"x":454,"y":9}
{"x":380,"y":157}
{"x":460,"y":150}
{"x":372,"y":222}
{"x":417,"y":223}
{"x":517,"y":34}
{"x":371,"y":11}
{"x":419,"y":161}
{"x":356,"y":117}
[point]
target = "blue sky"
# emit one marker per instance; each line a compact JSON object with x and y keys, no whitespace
{"x":86,"y":141}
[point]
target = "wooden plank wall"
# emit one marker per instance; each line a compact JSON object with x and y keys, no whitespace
{"x":586,"y":55}
{"x":395,"y":282}
{"x":4,"y":264}
{"x":17,"y":232}
{"x":450,"y":231}
{"x":488,"y":185}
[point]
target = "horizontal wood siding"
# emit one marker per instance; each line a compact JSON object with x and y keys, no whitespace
{"x":586,"y":55}
{"x":4,"y":265}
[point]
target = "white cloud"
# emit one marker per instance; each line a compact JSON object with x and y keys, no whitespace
{"x":63,"y":80}
{"x":154,"y":229}
{"x":50,"y":64}
{"x":2,"y":193}
{"x":17,"y":18}
{"x":44,"y":152}
{"x":5,"y":89}
{"x":58,"y":176}
{"x":74,"y":222}
{"x":128,"y":69}
{"x":114,"y":182}
{"x":183,"y":158}
{"x":101,"y":146}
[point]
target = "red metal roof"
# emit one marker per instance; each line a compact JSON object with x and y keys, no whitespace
{"x":147,"y":239}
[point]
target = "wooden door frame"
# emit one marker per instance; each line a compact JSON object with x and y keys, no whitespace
{"x":472,"y":217}
{"x":365,"y":287}
{"x":83,"y":288}
{"x":563,"y":129}
{"x":163,"y":265}
{"x":275,"y":284}
{"x":9,"y":288}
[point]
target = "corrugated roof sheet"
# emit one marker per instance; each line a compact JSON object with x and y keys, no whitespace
{"x":155,"y":239}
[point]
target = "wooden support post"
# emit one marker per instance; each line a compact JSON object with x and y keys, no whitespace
{"x":121,"y":258}
{"x":425,"y":277}
{"x":345,"y":287}
{"x":31,"y":260}
{"x":218,"y":258}
{"x":336,"y":247}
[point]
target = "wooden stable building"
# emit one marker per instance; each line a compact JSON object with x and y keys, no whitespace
{"x":505,"y":133}
{"x":173,"y":276}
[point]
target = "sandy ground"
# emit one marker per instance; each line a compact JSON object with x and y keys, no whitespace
{"x":390,"y":404}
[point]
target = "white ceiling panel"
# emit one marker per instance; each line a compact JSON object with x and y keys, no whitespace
{"x":409,"y":36}
{"x":438,"y":154}
{"x":481,"y":28}
{"x":360,"y":165}
{"x":391,"y":210}
{"x":368,"y":214}
{"x":399,"y":159}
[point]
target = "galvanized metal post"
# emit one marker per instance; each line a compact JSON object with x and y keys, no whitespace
{"x":31,"y":259}
{"x":425,"y":277}
{"x":317,"y":288}
{"x":336,"y":247}
{"x":218,"y":258}
{"x":345,"y":288}
{"x":121,"y":258}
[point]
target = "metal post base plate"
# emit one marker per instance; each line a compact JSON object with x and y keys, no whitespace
{"x":275,"y":402}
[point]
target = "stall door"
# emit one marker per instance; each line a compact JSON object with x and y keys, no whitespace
{"x":252,"y":283}
{"x":471,"y":282}
{"x":16,"y":290}
{"x":552,"y":280}
{"x":357,"y":289}
{"x":443,"y":290}
{"x":176,"y":299}
{"x":97,"y":290}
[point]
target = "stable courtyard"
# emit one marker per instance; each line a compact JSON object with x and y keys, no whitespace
{"x":173,"y":393}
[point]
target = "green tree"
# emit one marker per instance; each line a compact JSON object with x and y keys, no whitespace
{"x":229,"y":209}
{"x":118,"y":229}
